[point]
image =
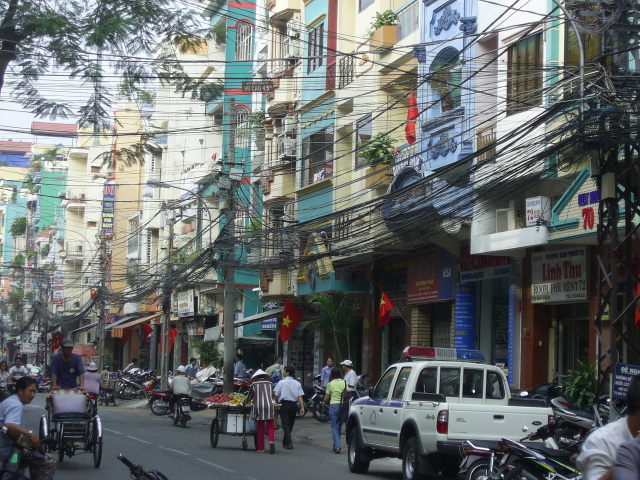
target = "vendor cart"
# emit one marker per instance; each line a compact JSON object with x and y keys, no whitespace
{"x":232,"y":420}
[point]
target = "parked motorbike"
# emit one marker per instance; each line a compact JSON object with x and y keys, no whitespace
{"x":319,"y":410}
{"x":137,"y":386}
{"x":138,"y":473}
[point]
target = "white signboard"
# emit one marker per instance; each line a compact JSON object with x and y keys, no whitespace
{"x":559,"y":276}
{"x":58,"y":278}
{"x":27,"y":348}
{"x":537,"y":208}
{"x":185,"y":304}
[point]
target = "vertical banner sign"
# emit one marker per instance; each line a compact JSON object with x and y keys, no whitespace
{"x":58,"y":288}
{"x":465,"y":322}
{"x":108,"y":206}
{"x":430,"y":277}
{"x":512,"y":334}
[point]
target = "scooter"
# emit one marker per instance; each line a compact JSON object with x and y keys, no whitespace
{"x":183,"y":412}
{"x":319,"y":410}
{"x":138,"y":473}
{"x":159,"y":401}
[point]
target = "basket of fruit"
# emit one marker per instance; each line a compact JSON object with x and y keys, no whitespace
{"x":226,"y":400}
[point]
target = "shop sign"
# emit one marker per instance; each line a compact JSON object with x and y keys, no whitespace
{"x":195,"y":328}
{"x":185,"y":304}
{"x":108,"y":206}
{"x":536,"y":208}
{"x":622,"y":378}
{"x":482,"y":267}
{"x":269,"y":324}
{"x":58,"y":278}
{"x":27,"y":348}
{"x":110,"y":318}
{"x":258,"y":86}
{"x":559,"y":276}
{"x":465,"y":319}
{"x":58,"y":295}
{"x":430,"y":277}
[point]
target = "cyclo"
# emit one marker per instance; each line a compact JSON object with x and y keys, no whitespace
{"x":72,"y":420}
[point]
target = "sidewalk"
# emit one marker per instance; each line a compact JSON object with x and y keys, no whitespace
{"x":306,"y":430}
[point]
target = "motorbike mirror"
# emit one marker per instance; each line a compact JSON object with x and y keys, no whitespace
{"x":525,"y":429}
{"x":524,"y":393}
{"x":371,"y":391}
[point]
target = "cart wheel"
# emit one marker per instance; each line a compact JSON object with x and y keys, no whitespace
{"x":96,"y":446}
{"x":214,"y":433}
{"x":245,"y":444}
{"x":60,"y":444}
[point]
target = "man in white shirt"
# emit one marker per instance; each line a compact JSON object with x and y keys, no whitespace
{"x":349,"y":375}
{"x":18,"y":370}
{"x":289,"y":394}
{"x":597,"y":457}
{"x":181,"y":386}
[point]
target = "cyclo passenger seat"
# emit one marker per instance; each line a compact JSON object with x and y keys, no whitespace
{"x":70,"y":405}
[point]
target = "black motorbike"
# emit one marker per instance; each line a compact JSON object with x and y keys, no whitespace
{"x":183,"y":412}
{"x":319,"y":410}
{"x":138,"y":473}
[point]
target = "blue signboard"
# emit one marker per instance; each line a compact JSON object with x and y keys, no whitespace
{"x":623,"y":376}
{"x":465,"y":322}
{"x":512,"y":326}
{"x":269,"y":324}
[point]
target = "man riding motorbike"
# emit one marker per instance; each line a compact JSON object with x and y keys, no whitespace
{"x":180,"y":386}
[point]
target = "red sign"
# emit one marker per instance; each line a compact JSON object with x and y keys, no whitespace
{"x":430,"y":277}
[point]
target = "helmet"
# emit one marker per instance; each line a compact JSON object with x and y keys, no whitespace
{"x":181,"y":369}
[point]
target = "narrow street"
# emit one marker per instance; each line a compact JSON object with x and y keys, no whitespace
{"x":185,"y":454}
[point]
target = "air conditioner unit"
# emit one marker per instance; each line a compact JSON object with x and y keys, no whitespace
{"x":508,"y":219}
{"x":60,"y":158}
{"x":82,"y":196}
{"x":287,"y":148}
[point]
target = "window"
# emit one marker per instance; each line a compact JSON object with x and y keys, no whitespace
{"x":317,"y":151}
{"x":347,"y":72}
{"x":316,"y":38}
{"x":91,"y":224}
{"x":428,"y":380}
{"x":95,"y":169}
{"x":524,"y":76}
{"x":384,"y":384}
{"x":401,"y":383}
{"x":243,"y":41}
{"x":365,"y":3}
{"x":495,"y":386}
{"x":446,"y":77}
{"x":450,"y":382}
{"x":472,"y":383}
{"x":242,"y":128}
{"x":364,"y":132}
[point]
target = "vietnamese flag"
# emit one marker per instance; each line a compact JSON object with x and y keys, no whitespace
{"x":290,"y":319}
{"x":173,"y":333}
{"x":126,"y":335}
{"x":146,"y":331}
{"x":412,"y":115}
{"x":384,"y":312}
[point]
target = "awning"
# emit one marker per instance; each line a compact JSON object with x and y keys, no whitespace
{"x":82,"y":329}
{"x":120,"y":322}
{"x":117,"y":332}
{"x":259,"y":317}
{"x":85,"y":350}
{"x":244,"y":342}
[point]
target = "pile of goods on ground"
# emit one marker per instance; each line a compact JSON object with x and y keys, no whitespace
{"x":231,"y":399}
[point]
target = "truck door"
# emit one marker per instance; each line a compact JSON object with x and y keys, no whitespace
{"x":471,"y":415}
{"x":370,"y":412}
{"x":424,"y":413}
{"x":390,"y":412}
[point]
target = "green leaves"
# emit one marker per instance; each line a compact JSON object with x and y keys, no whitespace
{"x":378,"y":150}
{"x":336,"y":318}
{"x":580,"y":385}
{"x":18,"y":227}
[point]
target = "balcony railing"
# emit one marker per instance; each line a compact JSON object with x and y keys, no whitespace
{"x":407,"y":156}
{"x":485,"y":138}
{"x":408,"y":20}
{"x":74,"y":250}
{"x":331,"y":76}
{"x":346,"y":71}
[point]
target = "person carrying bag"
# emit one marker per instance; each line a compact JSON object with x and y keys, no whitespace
{"x":337,"y":396}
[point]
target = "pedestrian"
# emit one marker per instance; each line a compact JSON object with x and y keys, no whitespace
{"x":4,"y":372}
{"x":263,"y":411}
{"x":597,"y":459}
{"x":92,"y":379}
{"x":276,"y":370}
{"x":67,"y":370}
{"x":239,"y":370}
{"x":41,"y":465}
{"x":335,"y":389}
{"x":180,"y":386}
{"x":289,"y":394}
{"x":326,"y":373}
{"x":349,"y":375}
{"x":628,"y":461}
{"x":192,"y":369}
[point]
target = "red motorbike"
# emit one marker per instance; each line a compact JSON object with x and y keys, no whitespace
{"x":159,"y":401}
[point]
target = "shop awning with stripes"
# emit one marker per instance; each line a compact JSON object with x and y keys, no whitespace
{"x":117,"y":331}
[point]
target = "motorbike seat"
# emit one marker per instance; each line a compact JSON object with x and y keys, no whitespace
{"x":486,"y":444}
{"x":584,"y":414}
{"x":552,"y":452}
{"x":72,"y":416}
{"x":160,"y":390}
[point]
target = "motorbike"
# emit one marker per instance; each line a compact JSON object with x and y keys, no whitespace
{"x":319,"y":410}
{"x":140,"y":386}
{"x":183,"y":412}
{"x":138,"y":473}
{"x":13,"y":468}
{"x":159,"y":401}
{"x":159,"y":398}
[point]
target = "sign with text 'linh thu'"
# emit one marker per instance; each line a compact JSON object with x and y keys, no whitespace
{"x":559,"y":276}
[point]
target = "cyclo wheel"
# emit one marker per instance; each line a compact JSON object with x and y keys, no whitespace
{"x":43,"y":431}
{"x":60,"y":445}
{"x":96,"y":446}
{"x":214,"y":433}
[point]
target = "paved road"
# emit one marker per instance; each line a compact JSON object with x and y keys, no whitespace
{"x":185,"y":454}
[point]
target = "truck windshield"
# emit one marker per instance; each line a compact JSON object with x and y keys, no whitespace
{"x":384,"y":385}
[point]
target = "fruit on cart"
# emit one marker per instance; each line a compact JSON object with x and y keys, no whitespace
{"x":226,"y":399}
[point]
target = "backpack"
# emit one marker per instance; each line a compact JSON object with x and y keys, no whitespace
{"x":347,"y":398}
{"x":276,"y":376}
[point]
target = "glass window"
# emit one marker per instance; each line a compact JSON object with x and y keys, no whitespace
{"x":524,"y":76}
{"x":243,"y":41}
{"x":364,"y":132}
{"x":242,"y":127}
{"x":317,"y":151}
{"x":401,"y":383}
{"x":472,"y":383}
{"x":450,"y":382}
{"x":384,"y":384}
{"x":428,"y":380}
{"x":495,"y":386}
{"x":365,"y":3}
{"x":445,"y":79}
{"x":316,"y":39}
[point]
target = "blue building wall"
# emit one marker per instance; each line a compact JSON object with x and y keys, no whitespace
{"x":12,"y":210}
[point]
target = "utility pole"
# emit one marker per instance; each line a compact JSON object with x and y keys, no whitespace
{"x":229,"y":270}
{"x":103,"y":262}
{"x":166,"y":308}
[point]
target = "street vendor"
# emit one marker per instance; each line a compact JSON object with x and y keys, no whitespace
{"x":67,"y":370}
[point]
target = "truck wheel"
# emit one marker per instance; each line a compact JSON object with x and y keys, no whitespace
{"x":478,"y":470}
{"x":449,"y":466}
{"x":356,"y":464}
{"x":410,"y":460}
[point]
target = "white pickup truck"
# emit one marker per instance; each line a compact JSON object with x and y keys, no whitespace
{"x":423,"y":408}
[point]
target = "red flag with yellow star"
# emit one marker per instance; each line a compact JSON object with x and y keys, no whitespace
{"x":386,"y":305}
{"x":290,"y":319}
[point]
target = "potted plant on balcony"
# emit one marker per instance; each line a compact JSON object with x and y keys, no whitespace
{"x":444,"y":80}
{"x":378,"y":153}
{"x":384,"y":29}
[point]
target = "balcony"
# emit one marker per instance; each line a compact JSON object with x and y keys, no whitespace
{"x":73,"y":252}
{"x":407,"y":21}
{"x":75,"y":199}
{"x":291,"y":48}
{"x":485,"y":138}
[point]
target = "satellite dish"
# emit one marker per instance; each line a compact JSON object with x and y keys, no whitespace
{"x":451,"y":226}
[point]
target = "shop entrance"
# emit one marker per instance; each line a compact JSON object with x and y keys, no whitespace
{"x":573,"y":335}
{"x":440,"y":315}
